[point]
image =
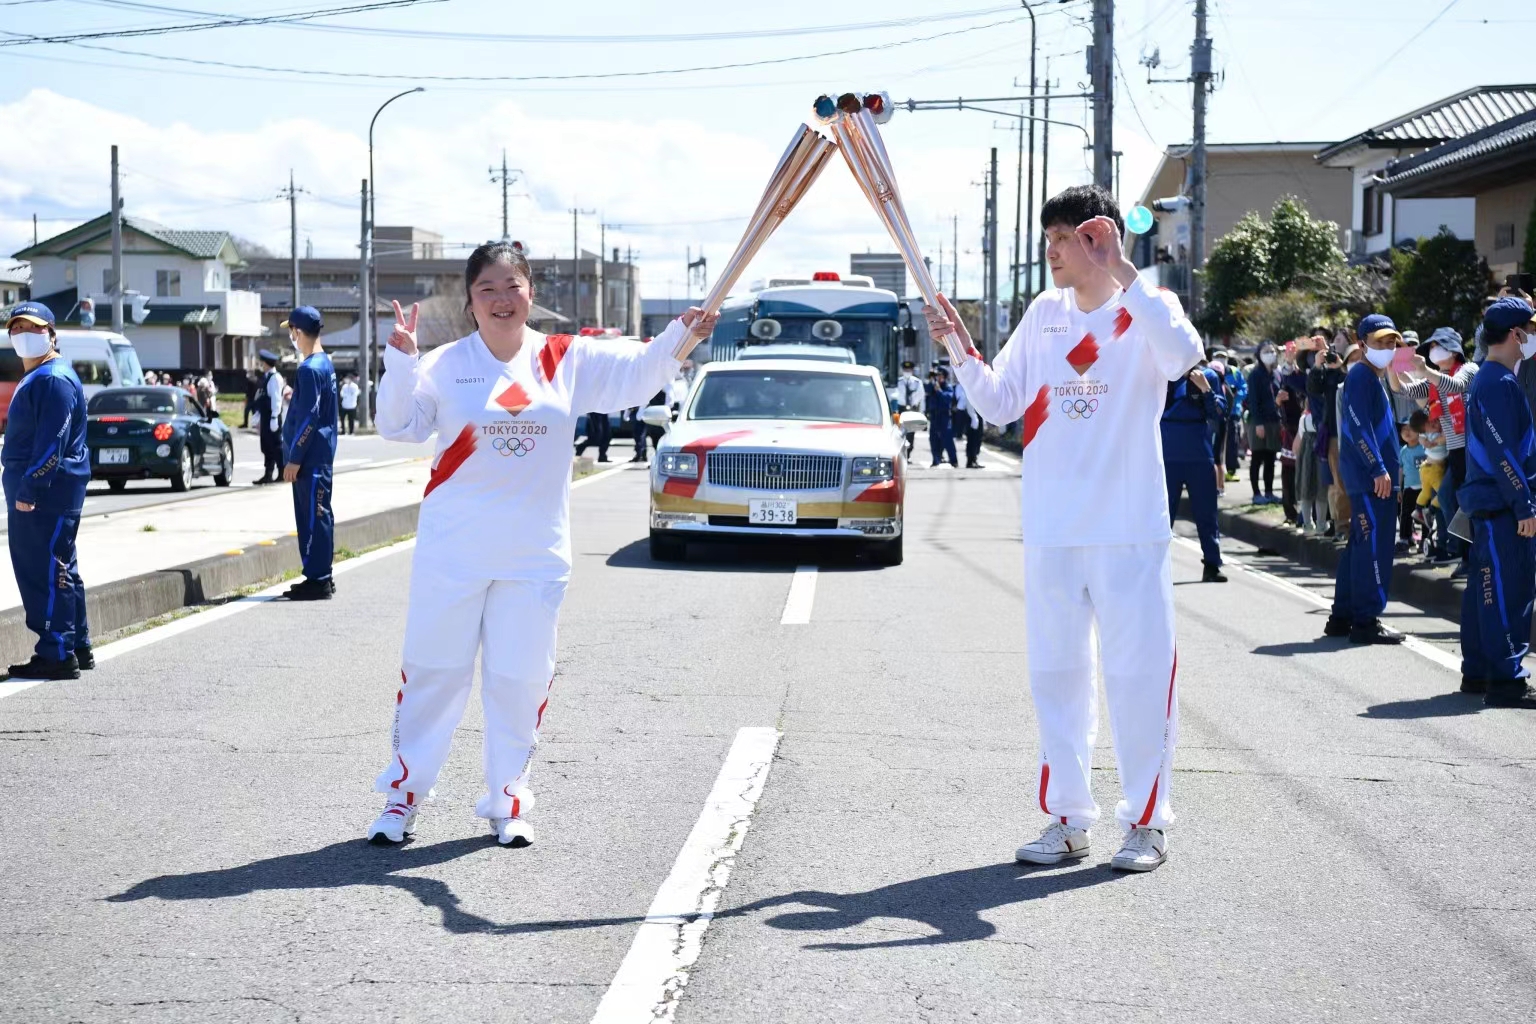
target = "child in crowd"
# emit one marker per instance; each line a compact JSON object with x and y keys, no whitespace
{"x":1410,"y":458}
{"x":1431,"y":476}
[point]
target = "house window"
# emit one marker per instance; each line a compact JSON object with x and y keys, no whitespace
{"x":1504,"y":236}
{"x":168,"y":284}
{"x":1373,"y":212}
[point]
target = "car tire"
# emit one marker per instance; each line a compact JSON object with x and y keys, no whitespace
{"x":183,"y":478}
{"x":667,"y":549}
{"x":888,"y":552}
{"x":226,"y":473}
{"x":117,"y":486}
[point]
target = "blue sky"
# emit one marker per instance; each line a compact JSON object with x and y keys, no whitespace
{"x":672,"y":160}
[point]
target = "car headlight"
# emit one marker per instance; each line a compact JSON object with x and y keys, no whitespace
{"x":869,"y":470}
{"x":680,"y":464}
{"x":164,"y":451}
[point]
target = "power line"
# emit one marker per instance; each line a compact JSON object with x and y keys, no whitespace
{"x":586,"y":76}
{"x":26,"y":39}
{"x":1378,"y":66}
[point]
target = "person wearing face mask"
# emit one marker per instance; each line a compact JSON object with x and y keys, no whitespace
{"x":1368,"y":447}
{"x":1290,"y":397}
{"x":1448,"y":376}
{"x":269,"y":414}
{"x":1263,"y":425}
{"x":1501,"y":470}
{"x":46,"y":466}
{"x":309,"y":454}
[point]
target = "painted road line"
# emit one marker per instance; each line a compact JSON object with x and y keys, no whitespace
{"x":595,"y":477}
{"x":1006,"y":462}
{"x":1422,"y":648}
{"x":656,"y":968}
{"x":802,"y":595}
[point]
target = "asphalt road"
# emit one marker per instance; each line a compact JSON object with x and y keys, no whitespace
{"x":183,"y":826}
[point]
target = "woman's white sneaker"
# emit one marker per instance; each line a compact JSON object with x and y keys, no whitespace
{"x":514,"y":832}
{"x":1145,"y":849}
{"x":397,"y":822}
{"x":1057,"y":843}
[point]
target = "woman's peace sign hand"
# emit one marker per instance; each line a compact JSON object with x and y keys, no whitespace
{"x":404,"y":335}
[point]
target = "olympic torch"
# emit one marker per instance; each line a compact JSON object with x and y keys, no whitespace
{"x":854,"y":121}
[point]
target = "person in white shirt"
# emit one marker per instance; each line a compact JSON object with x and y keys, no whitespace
{"x":910,"y":396}
{"x":1088,"y":370}
{"x":349,"y":393}
{"x":493,"y":547}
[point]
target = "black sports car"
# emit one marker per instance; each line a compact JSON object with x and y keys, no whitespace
{"x":149,"y":432}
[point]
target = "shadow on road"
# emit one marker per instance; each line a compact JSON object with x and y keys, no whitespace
{"x":1292,"y":648}
{"x":950,"y":903}
{"x":717,"y":556}
{"x":354,"y":862}
{"x":1441,"y":705}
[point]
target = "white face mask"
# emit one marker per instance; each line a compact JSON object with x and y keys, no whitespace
{"x":1441,"y":356}
{"x":1381,"y":358}
{"x":1267,"y":358}
{"x":31,"y":344}
{"x":1527,"y":347}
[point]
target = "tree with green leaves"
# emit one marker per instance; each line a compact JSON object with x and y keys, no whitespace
{"x":1441,"y":282}
{"x":1259,"y":258}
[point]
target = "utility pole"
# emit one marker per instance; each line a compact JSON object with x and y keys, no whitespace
{"x":293,"y":235}
{"x":34,"y":229}
{"x":365,"y":320}
{"x":576,"y":269}
{"x":1200,"y":68}
{"x":954,"y":254}
{"x":630,"y":327}
{"x":1101,"y":71}
{"x":1015,"y":311}
{"x":602,"y":273}
{"x":117,"y":250}
{"x":504,"y":177}
{"x":1045,"y":173}
{"x":1029,"y":250}
{"x":990,"y":262}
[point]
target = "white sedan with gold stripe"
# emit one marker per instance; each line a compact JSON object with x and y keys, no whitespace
{"x":775,"y":449}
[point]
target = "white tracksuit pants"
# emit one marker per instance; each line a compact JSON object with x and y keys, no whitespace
{"x":513,"y":625}
{"x":1127,"y":591}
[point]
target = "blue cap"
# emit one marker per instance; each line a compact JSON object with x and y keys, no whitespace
{"x":305,"y":318}
{"x":1510,"y":311}
{"x":1375,"y":325}
{"x":268,"y":356}
{"x":34,"y":312}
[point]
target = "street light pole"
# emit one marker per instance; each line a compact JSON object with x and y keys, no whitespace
{"x":366,"y":337}
{"x":1015,"y":310}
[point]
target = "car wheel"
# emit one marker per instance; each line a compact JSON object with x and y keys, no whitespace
{"x":226,"y":471}
{"x":117,"y":486}
{"x":667,"y":549}
{"x":183,"y":478}
{"x":887,"y":552}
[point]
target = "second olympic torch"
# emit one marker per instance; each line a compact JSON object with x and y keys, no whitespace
{"x":854,"y":121}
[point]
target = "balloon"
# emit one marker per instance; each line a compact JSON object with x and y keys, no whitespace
{"x":1139,"y":220}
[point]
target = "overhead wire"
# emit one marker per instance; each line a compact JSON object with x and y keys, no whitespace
{"x":28,"y":39}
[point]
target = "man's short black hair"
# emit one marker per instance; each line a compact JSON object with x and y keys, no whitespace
{"x":1418,"y":420}
{"x":1079,"y":204}
{"x":1320,"y":329}
{"x":1495,"y":336}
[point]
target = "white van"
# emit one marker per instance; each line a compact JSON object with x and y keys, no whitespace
{"x":101,"y":359}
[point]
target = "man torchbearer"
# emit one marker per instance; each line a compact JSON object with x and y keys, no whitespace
{"x":1088,"y":369}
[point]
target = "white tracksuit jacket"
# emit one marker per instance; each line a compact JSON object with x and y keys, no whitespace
{"x":1090,"y":387}
{"x":493,"y":549}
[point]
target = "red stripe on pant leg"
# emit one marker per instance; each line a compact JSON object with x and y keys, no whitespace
{"x":405,"y":773}
{"x":1146,"y":815}
{"x":1045,"y":780}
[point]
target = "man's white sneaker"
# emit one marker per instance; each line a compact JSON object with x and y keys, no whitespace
{"x":1145,"y":849}
{"x":514,"y":832}
{"x":397,"y":822}
{"x":1057,"y":843}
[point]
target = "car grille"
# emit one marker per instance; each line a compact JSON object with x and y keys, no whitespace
{"x":804,"y":524}
{"x":772,"y":471}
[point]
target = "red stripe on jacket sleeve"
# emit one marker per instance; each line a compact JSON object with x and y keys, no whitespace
{"x":452,"y":458}
{"x":1037,"y":413}
{"x":555,"y":347}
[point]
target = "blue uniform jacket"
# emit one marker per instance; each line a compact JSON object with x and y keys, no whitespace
{"x":45,"y":460}
{"x":1261,"y":404}
{"x":940,"y":404}
{"x":1501,"y":446}
{"x":309,"y":432}
{"x":1188,"y":419}
{"x":1368,"y":440}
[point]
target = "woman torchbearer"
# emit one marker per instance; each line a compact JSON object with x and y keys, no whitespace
{"x":493,"y":544}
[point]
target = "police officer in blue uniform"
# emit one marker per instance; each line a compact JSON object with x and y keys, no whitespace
{"x":1368,"y":463}
{"x":939,"y":401}
{"x":46,"y":466}
{"x":1501,"y":469}
{"x":1192,"y":414}
{"x":268,"y":407}
{"x":309,"y":450}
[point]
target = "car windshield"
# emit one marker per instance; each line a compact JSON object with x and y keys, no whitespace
{"x":787,"y":395}
{"x":124,"y":400}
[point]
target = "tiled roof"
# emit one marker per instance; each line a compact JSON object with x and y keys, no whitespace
{"x":203,"y":245}
{"x":324,"y":299}
{"x":1491,"y":140}
{"x":1454,"y":117}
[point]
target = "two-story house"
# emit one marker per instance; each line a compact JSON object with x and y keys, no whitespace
{"x":1381,"y":220}
{"x":196,"y":319}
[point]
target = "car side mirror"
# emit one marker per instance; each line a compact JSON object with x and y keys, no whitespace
{"x":656,"y":416}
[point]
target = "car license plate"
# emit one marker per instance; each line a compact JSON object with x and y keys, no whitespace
{"x":773,"y":513}
{"x":111,"y":456}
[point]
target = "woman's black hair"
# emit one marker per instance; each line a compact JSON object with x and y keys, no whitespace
{"x":494,"y":252}
{"x":1080,"y":204}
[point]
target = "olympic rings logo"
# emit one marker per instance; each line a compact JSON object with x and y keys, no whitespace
{"x":1081,"y":408}
{"x":518,"y":446}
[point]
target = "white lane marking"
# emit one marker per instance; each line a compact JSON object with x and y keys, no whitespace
{"x":651,"y":979}
{"x":1422,"y":648}
{"x":595,"y":477}
{"x":1009,"y":463}
{"x":802,"y":595}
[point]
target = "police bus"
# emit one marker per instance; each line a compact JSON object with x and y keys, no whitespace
{"x":824,"y":309}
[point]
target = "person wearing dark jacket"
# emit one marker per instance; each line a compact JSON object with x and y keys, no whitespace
{"x":1291,"y":397}
{"x":1368,"y":466}
{"x":1323,"y":383}
{"x":309,"y":449}
{"x":1193,"y":410}
{"x":939,"y":400}
{"x":46,"y":467}
{"x":1501,"y":470}
{"x":1263,"y":425}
